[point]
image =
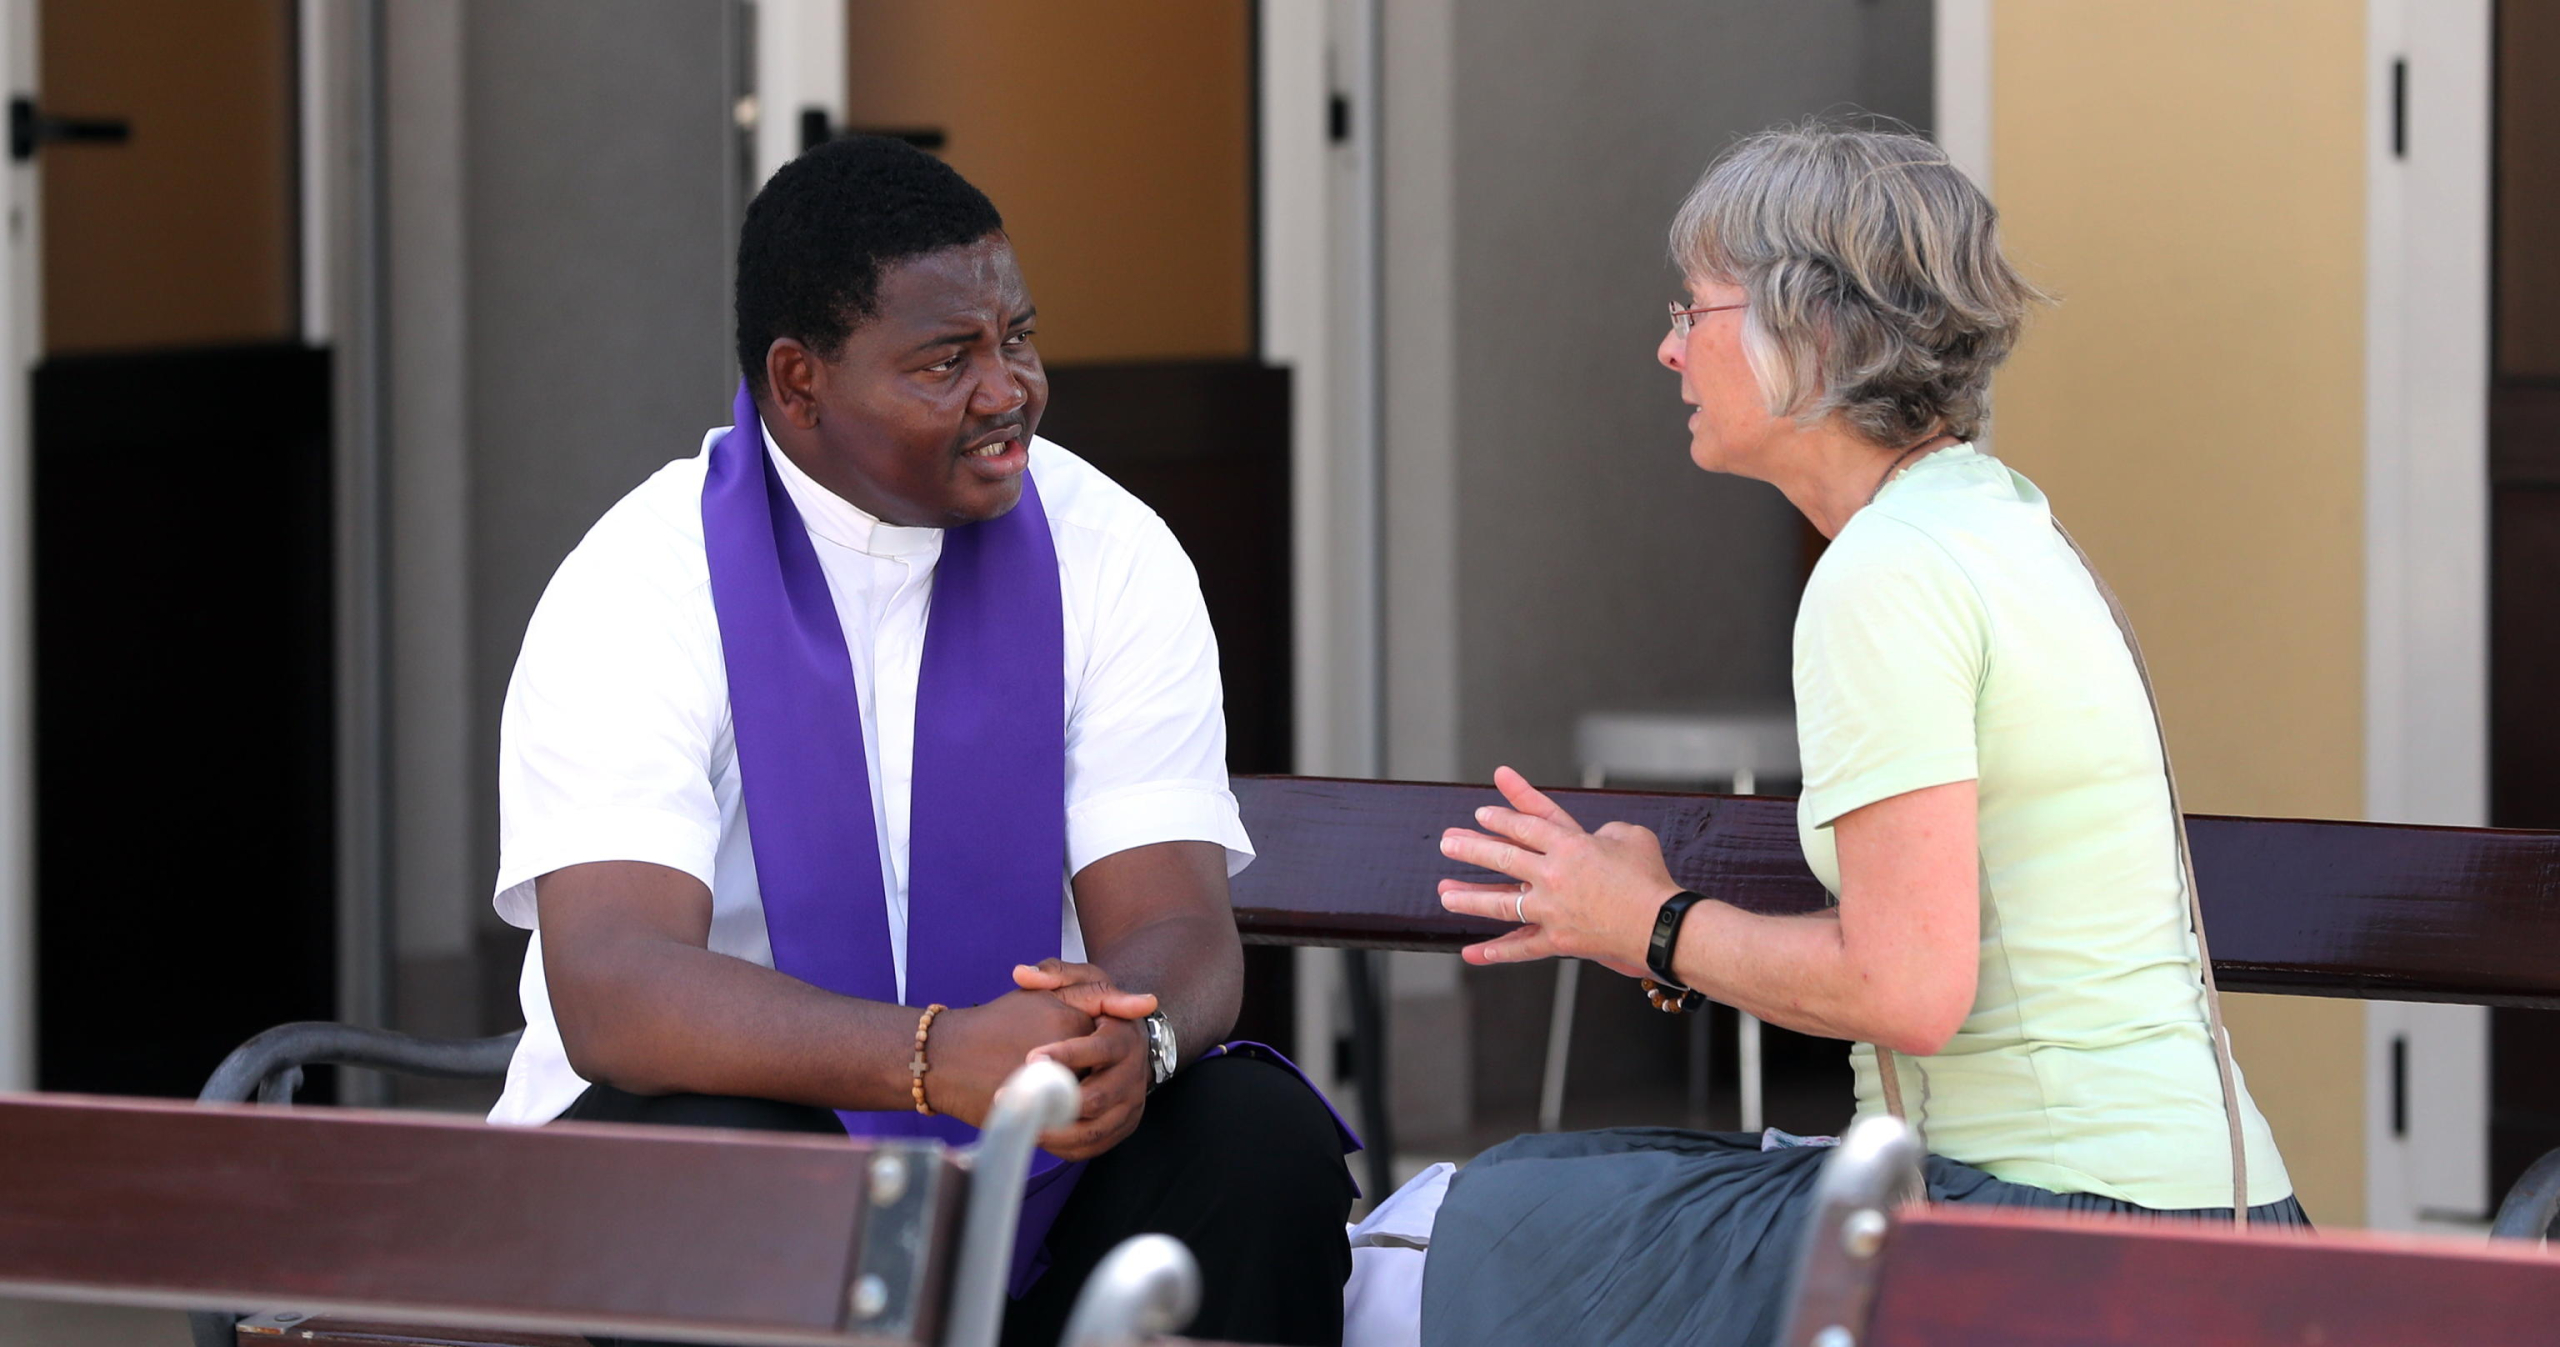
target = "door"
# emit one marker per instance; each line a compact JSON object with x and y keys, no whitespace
{"x":182,"y":550}
{"x":1121,"y":149}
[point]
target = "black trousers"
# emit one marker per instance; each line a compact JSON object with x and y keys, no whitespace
{"x":1234,"y":1157}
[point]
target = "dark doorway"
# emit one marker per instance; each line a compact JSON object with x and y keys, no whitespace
{"x":183,"y":708}
{"x":1206,"y":444}
{"x":2524,"y":478}
{"x":183,"y":555}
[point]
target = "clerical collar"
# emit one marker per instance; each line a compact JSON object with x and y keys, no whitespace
{"x":840,"y":521}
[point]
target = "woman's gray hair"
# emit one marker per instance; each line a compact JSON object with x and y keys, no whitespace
{"x":1877,"y":289}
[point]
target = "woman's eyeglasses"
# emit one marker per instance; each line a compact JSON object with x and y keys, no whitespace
{"x":1681,"y":318}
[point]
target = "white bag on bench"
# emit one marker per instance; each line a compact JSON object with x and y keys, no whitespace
{"x":1382,"y":1303}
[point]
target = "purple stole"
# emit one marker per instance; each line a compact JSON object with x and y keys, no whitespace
{"x":990,"y":743}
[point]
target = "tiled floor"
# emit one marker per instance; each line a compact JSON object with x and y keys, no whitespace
{"x":44,"y":1323}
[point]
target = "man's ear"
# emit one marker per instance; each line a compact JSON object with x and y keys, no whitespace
{"x":791,"y":376}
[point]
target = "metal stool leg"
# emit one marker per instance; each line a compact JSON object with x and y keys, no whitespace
{"x":1560,"y":1011}
{"x":1702,"y":1060}
{"x":1559,"y":1045}
{"x":1747,"y":1055}
{"x":1369,"y":1067}
{"x":1748,"y":1045}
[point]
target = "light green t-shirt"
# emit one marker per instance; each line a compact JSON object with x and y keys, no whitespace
{"x":1949,"y":634}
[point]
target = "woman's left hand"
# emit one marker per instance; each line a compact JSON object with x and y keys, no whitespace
{"x":1588,"y":895}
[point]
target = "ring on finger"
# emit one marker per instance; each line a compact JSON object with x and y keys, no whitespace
{"x":1520,"y":905}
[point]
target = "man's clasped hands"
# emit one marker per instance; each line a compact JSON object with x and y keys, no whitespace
{"x":1068,"y":1013}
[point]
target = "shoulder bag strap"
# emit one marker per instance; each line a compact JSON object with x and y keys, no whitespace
{"x":1890,"y":1070}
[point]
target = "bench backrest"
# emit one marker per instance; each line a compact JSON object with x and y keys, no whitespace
{"x":2386,"y":911}
{"x":655,"y":1232}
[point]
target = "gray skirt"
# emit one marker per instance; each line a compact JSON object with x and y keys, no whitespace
{"x":1654,"y":1235}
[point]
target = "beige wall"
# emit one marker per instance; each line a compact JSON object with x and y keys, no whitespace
{"x":2187,"y":175}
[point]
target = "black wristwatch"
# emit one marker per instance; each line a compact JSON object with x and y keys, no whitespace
{"x":1666,"y":937}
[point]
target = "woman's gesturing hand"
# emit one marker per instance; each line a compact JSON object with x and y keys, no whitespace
{"x":1587,"y":895}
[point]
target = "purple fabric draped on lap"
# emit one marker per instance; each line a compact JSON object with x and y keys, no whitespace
{"x":987,"y":845}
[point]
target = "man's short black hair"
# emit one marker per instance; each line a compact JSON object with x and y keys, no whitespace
{"x":818,"y":235}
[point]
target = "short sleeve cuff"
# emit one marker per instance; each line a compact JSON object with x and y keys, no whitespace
{"x":654,"y":836}
{"x":1169,"y":811}
{"x":1824,"y":806}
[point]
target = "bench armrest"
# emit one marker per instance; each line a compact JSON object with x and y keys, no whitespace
{"x":1147,"y":1287}
{"x":2533,"y":1204}
{"x":1864,"y":1185}
{"x":270,"y":1065}
{"x":1036,"y":1098}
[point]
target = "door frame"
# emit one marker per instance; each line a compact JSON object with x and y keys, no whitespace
{"x":1319,"y":259}
{"x":21,"y":327}
{"x":1318,"y":252}
{"x":799,"y":64}
{"x":2427,"y":558}
{"x":339,"y":54}
{"x":1960,"y":84}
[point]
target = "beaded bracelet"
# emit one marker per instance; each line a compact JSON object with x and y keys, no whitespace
{"x":917,"y":1068}
{"x":1671,"y":1000}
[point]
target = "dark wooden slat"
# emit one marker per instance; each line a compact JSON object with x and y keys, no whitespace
{"x":2524,"y":433}
{"x":1354,"y":862}
{"x":2308,"y":908}
{"x":1957,"y":1278}
{"x":683,"y":1233}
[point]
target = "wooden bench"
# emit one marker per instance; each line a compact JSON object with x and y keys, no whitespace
{"x":1875,"y":1272}
{"x":359,"y":1220}
{"x":1877,"y":1269}
{"x":2381,"y":911}
{"x":2296,"y":907}
{"x":2305,"y":908}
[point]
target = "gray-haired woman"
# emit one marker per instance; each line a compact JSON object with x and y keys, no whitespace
{"x":1985,"y":796}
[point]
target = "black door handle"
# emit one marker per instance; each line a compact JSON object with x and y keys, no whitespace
{"x":31,"y":129}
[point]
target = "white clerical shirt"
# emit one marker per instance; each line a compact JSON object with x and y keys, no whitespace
{"x":615,"y":742}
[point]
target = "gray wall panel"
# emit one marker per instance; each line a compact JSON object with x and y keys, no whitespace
{"x":1594,"y":566}
{"x":434,"y":869}
{"x":598,"y":237}
{"x":1598,"y":566}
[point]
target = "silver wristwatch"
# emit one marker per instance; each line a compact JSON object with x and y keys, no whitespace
{"x":1162,"y":1055}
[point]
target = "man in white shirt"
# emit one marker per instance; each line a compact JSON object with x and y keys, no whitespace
{"x":1012,"y":799}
